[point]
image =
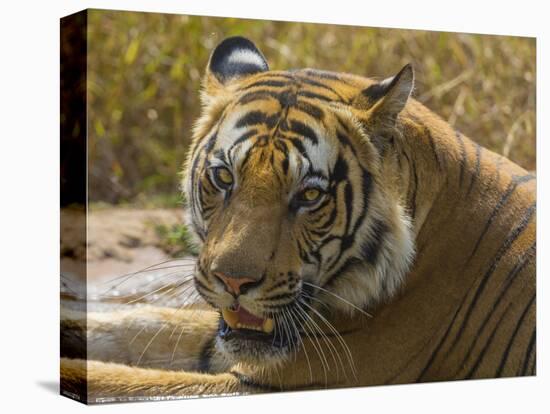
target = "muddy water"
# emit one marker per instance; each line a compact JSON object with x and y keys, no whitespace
{"x":126,"y":266}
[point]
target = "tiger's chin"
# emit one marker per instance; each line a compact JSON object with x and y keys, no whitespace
{"x":254,"y":347}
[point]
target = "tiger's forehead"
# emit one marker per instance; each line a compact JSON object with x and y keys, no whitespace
{"x":296,"y":130}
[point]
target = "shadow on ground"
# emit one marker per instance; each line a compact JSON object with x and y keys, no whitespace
{"x":51,"y":386}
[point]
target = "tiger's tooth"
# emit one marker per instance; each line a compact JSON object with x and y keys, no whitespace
{"x":230,"y":317}
{"x":268,"y":325}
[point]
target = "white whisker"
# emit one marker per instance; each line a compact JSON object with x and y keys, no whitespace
{"x":338,"y":337}
{"x":339,"y":298}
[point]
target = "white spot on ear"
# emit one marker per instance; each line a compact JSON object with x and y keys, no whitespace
{"x":244,"y":56}
{"x":385,"y":83}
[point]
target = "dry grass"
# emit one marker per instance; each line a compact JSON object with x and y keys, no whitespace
{"x":145,"y":70}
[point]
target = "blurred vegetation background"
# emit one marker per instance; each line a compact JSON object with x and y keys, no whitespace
{"x":144,"y":73}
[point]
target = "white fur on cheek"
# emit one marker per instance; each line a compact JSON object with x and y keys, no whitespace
{"x":368,"y":284}
{"x":323,"y":154}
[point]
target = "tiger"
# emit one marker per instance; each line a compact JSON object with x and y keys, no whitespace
{"x":348,"y":236}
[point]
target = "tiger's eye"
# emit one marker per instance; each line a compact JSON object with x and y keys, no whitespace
{"x":223,"y":176}
{"x":311,"y":195}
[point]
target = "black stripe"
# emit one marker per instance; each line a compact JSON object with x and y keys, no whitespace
{"x":516,"y":180}
{"x":313,"y":95}
{"x":205,"y":355}
{"x":244,"y":160}
{"x":210,"y":143}
{"x":463,"y":159}
{"x":250,"y":383}
{"x":269,"y":82}
{"x":241,"y":139}
{"x":366,"y":187}
{"x":278,"y":296}
{"x":276,"y":285}
{"x":340,"y":171}
{"x":371,"y":248}
{"x":341,"y":271}
{"x":201,"y":285}
{"x":312,"y":82}
{"x":348,"y":240}
{"x":220,"y":154}
{"x":520,"y":265}
{"x":475,"y":174}
{"x":282,"y":146}
{"x":194,"y":171}
{"x":481,"y":355}
{"x":437,"y":156}
{"x":324,"y":74}
{"x":257,"y":117}
{"x":202,"y":188}
{"x":257,"y":96}
{"x":414,"y":191}
{"x":504,"y":358}
{"x":513,"y":235}
{"x":343,"y":124}
{"x":321,"y":206}
{"x":348,"y":201}
{"x":441,"y":342}
{"x":303,"y":130}
{"x":285,"y":98}
{"x":210,"y":134}
{"x":299,"y":146}
{"x":307,"y":238}
{"x":310,"y":109}
{"x":329,"y":221}
{"x":346,"y":142}
{"x":530,"y":347}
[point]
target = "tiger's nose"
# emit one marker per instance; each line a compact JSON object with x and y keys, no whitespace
{"x":235,"y":285}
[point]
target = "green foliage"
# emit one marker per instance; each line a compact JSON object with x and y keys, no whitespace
{"x":145,"y":71}
{"x":176,"y":240}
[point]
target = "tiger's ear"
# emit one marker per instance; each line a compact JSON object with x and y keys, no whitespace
{"x":234,"y":58}
{"x":383,"y":101}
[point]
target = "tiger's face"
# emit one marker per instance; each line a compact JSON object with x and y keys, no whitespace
{"x":286,"y":193}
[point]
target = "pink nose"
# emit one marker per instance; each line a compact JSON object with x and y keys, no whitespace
{"x":233,"y":284}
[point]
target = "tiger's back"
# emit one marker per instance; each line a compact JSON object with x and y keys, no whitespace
{"x":480,"y":232}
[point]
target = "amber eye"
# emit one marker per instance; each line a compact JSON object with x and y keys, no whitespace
{"x":223,"y":177}
{"x":310,"y":195}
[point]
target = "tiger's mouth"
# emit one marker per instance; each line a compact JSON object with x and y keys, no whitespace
{"x":238,"y":325}
{"x":238,"y":317}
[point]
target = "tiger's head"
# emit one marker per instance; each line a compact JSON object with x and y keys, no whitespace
{"x":291,"y":198}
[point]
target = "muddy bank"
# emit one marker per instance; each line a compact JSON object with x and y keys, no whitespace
{"x":128,"y":259}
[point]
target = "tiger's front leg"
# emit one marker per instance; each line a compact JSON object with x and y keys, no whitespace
{"x":116,"y":382}
{"x":148,"y":336}
{"x":146,"y":352}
